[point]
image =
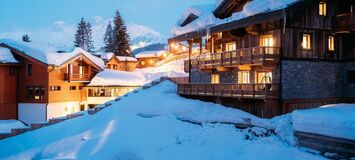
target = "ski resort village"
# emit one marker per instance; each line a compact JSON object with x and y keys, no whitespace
{"x":184,"y":80}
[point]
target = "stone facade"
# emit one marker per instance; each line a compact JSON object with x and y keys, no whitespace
{"x":315,"y":80}
{"x":349,"y":86}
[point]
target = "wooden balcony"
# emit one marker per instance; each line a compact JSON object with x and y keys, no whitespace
{"x":246,"y":56}
{"x":344,"y":23}
{"x":247,"y":91}
{"x":76,"y":77}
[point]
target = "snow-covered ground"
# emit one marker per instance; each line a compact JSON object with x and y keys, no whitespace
{"x":147,"y":125}
{"x":331,"y":120}
{"x":171,"y":69}
{"x":7,"y":125}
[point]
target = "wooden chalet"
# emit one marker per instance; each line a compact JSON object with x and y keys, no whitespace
{"x":44,"y":85}
{"x":275,"y":61}
{"x":121,"y":63}
{"x":150,"y":58}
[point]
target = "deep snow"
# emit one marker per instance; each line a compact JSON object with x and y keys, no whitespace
{"x":146,"y":125}
{"x":109,"y":77}
{"x":7,"y":125}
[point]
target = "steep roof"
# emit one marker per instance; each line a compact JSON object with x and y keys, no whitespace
{"x":49,"y":57}
{"x":202,"y":17}
{"x":6,"y":56}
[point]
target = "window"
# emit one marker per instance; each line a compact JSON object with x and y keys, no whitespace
{"x":214,"y":78}
{"x":142,"y":63}
{"x":54,"y":88}
{"x":243,"y":77}
{"x":322,"y":8}
{"x":29,"y":70}
{"x":306,"y":41}
{"x":331,"y":43}
{"x":35,"y":93}
{"x":81,"y":87}
{"x":268,"y":43}
{"x":351,"y":76}
{"x":72,"y":88}
{"x":12,"y":71}
{"x":230,"y":47}
{"x":264,"y":77}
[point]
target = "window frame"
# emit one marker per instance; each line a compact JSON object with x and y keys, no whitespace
{"x":322,"y":8}
{"x":72,"y":88}
{"x":331,"y":43}
{"x":215,"y":78}
{"x":306,"y":42}
{"x":241,"y":76}
{"x":29,"y":70}
{"x":35,"y":96}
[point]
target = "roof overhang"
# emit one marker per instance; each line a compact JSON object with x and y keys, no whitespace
{"x":228,"y":7}
{"x":188,"y":36}
{"x":252,"y":20}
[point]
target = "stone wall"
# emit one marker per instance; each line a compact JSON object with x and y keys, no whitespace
{"x":349,"y":87}
{"x":315,"y":80}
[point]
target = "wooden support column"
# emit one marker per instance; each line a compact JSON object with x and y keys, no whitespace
{"x":190,"y":54}
{"x":201,"y":49}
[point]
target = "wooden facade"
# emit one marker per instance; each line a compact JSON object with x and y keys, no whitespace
{"x":37,"y":84}
{"x":251,"y":61}
{"x":121,"y":65}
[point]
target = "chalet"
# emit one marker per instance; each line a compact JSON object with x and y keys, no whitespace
{"x":38,"y":85}
{"x":109,"y":84}
{"x":150,"y":58}
{"x":121,"y":63}
{"x":270,"y":59}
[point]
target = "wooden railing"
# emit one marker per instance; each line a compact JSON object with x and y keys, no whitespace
{"x":344,"y":22}
{"x":252,"y":91}
{"x":77,"y":77}
{"x":246,"y":56}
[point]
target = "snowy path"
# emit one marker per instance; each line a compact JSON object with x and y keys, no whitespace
{"x":145,"y":125}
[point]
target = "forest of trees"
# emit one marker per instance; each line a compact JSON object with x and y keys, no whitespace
{"x":116,"y":38}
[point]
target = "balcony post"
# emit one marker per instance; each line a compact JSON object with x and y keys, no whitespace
{"x":190,"y":54}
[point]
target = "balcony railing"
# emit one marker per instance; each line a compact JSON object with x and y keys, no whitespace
{"x":344,"y":22}
{"x":246,"y":56}
{"x":77,"y":77}
{"x":248,"y":91}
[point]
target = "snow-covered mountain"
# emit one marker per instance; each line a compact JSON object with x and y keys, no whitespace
{"x":60,"y":35}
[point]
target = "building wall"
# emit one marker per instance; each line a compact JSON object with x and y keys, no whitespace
{"x":55,"y":110}
{"x":129,"y":66}
{"x":32,"y":112}
{"x":8,"y":93}
{"x":56,"y":78}
{"x":349,"y":87}
{"x":313,"y":80}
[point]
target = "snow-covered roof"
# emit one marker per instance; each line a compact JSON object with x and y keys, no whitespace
{"x":125,"y":58}
{"x":117,"y":78}
{"x":150,"y":54}
{"x":6,"y":56}
{"x":50,"y":57}
{"x":106,"y":56}
{"x":205,"y":18}
{"x":255,"y":7}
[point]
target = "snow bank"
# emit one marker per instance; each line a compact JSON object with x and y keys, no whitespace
{"x":146,"y":125}
{"x":331,"y":120}
{"x":150,"y":54}
{"x":117,"y":78}
{"x":7,"y":125}
{"x":6,"y":56}
{"x":205,"y":18}
{"x":171,"y":69}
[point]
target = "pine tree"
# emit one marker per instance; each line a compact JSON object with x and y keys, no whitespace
{"x":108,"y":38}
{"x":80,"y":36}
{"x":83,"y":36}
{"x":121,"y":38}
{"x":26,"y":38}
{"x":88,"y":40}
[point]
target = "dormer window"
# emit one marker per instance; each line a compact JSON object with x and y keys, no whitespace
{"x":323,"y":8}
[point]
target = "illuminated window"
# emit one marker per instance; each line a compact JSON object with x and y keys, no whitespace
{"x":264,"y":77}
{"x":243,"y":77}
{"x":268,"y":43}
{"x":322,"y":8}
{"x":142,"y":63}
{"x":306,"y":41}
{"x":214,"y":78}
{"x":35,"y":93}
{"x":54,"y":88}
{"x":331,"y":43}
{"x":72,"y":88}
{"x":230,"y":47}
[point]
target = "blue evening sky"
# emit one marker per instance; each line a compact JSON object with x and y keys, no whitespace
{"x":157,"y":14}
